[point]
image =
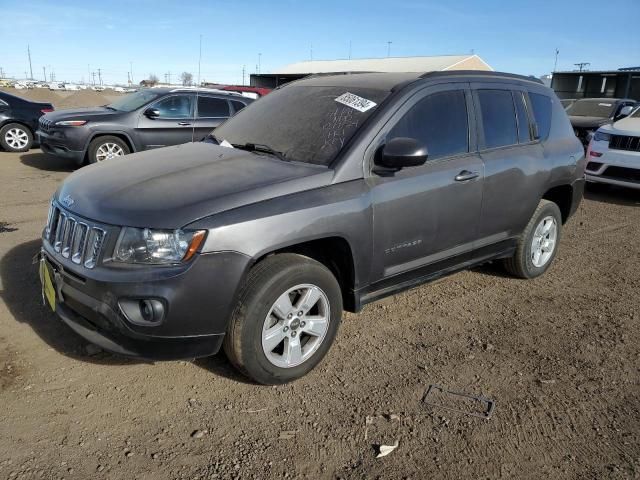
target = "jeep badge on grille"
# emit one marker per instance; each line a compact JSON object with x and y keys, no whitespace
{"x":68,"y":201}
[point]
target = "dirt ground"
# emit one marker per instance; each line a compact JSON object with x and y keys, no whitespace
{"x":559,"y":355}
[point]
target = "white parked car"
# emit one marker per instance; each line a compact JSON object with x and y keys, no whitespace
{"x":98,"y":88}
{"x":614,"y":153}
{"x":20,"y":86}
{"x":56,"y":86}
{"x":119,"y":89}
{"x":71,"y":87}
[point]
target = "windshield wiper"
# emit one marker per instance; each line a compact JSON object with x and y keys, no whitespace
{"x":262,"y":148}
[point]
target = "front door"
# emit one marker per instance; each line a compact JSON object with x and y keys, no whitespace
{"x":426,"y":217}
{"x":173,"y":126}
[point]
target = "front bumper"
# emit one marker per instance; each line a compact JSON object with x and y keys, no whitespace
{"x":613,"y":167}
{"x":199,"y":299}
{"x":59,"y":143}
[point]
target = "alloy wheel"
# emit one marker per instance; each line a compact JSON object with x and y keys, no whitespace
{"x":296,"y":326}
{"x":108,"y":150}
{"x":544,"y":241}
{"x":16,"y":138}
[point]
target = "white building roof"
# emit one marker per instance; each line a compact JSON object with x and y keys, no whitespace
{"x":388,"y":64}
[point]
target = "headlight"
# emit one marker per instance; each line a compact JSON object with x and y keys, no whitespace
{"x":143,"y":245}
{"x":71,"y":123}
{"x":601,"y":137}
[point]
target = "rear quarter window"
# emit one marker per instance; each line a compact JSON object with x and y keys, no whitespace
{"x":498,"y":118}
{"x":541,"y":106}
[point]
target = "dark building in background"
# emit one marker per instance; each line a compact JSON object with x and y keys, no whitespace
{"x":622,"y":83}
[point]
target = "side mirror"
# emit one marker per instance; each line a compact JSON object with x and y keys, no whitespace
{"x":625,"y":111}
{"x":402,"y":152}
{"x":152,"y":112}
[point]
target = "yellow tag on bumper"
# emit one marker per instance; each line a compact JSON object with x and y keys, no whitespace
{"x":48,"y":290}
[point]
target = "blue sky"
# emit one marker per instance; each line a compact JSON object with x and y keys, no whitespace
{"x":160,"y":36}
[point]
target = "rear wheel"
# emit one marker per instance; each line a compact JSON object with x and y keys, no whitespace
{"x":15,"y":137}
{"x":106,"y":148}
{"x":286,"y":319}
{"x":538,"y":244}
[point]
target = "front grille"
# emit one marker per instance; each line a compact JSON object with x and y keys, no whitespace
{"x":624,"y":142}
{"x":74,"y":238}
{"x":45,"y":125}
{"x":623,"y":173}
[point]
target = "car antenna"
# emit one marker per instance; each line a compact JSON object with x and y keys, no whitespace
{"x":193,"y":128}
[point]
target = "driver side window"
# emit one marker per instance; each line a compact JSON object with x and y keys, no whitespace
{"x":176,"y":106}
{"x":439,"y":121}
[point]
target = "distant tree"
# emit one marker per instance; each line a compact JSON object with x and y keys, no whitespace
{"x":187,"y":79}
{"x":152,"y":80}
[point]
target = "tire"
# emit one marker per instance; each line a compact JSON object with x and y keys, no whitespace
{"x":263,"y":291}
{"x":15,"y":137}
{"x":523,"y":264}
{"x":106,"y":147}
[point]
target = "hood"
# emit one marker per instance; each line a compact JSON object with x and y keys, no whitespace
{"x":81,"y":114}
{"x":587,"y":122}
{"x":172,"y":187}
{"x":629,"y":126}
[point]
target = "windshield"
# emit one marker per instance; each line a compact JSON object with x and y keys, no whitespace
{"x":303,"y":123}
{"x":635,"y":113}
{"x":592,"y":108}
{"x":134,"y":101}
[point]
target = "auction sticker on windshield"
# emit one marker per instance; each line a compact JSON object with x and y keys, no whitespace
{"x":354,"y":101}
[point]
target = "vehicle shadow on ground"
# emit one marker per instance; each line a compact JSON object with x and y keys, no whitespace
{"x":20,"y":289}
{"x":42,"y":161}
{"x":492,"y":269}
{"x":612,"y":194}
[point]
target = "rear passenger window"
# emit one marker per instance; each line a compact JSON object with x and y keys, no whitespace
{"x":524,"y":134}
{"x":209,"y":107}
{"x":439,"y":121}
{"x":541,"y":106}
{"x":237,"y":106}
{"x":498,"y":118}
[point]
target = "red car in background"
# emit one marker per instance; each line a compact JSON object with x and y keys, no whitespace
{"x":259,"y":92}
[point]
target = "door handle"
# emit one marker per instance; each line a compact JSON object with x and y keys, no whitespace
{"x":184,"y":124}
{"x":465,"y":175}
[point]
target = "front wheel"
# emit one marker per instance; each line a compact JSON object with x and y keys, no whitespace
{"x":15,"y":137}
{"x":106,"y":148}
{"x":538,"y":244}
{"x":286,"y":319}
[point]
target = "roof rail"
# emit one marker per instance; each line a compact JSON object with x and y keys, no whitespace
{"x":207,"y":90}
{"x":481,"y":73}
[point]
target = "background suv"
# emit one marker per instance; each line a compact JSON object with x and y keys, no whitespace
{"x":588,"y":114}
{"x":150,"y":118}
{"x":18,"y":121}
{"x":614,"y":153}
{"x":327,"y":194}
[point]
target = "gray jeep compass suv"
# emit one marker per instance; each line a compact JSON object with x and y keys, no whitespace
{"x":327,"y":194}
{"x":150,"y":118}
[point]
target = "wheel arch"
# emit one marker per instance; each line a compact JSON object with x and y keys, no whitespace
{"x":562,"y":196}
{"x":118,"y":134}
{"x":19,"y":122}
{"x":335,"y":253}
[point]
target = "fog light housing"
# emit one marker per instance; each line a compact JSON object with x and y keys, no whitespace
{"x":147,"y":312}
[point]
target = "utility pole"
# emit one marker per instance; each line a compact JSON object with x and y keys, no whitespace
{"x":93,"y":76}
{"x":581,"y":65}
{"x":259,"y":62}
{"x":244,"y":67}
{"x":131,"y":70}
{"x":100,"y":76}
{"x":44,"y":72}
{"x":30,"y":67}
{"x":555,"y":64}
{"x":129,"y":78}
{"x":389,"y":49}
{"x":2,"y":73}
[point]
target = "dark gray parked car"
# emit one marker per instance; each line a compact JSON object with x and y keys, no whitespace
{"x":149,"y":118}
{"x":339,"y":190}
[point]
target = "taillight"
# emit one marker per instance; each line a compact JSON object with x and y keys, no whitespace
{"x":595,"y":154}
{"x":46,"y":110}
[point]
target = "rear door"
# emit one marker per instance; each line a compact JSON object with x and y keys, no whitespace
{"x":174,"y":125}
{"x":426,"y":217}
{"x":514,"y":166}
{"x":211,"y":112}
